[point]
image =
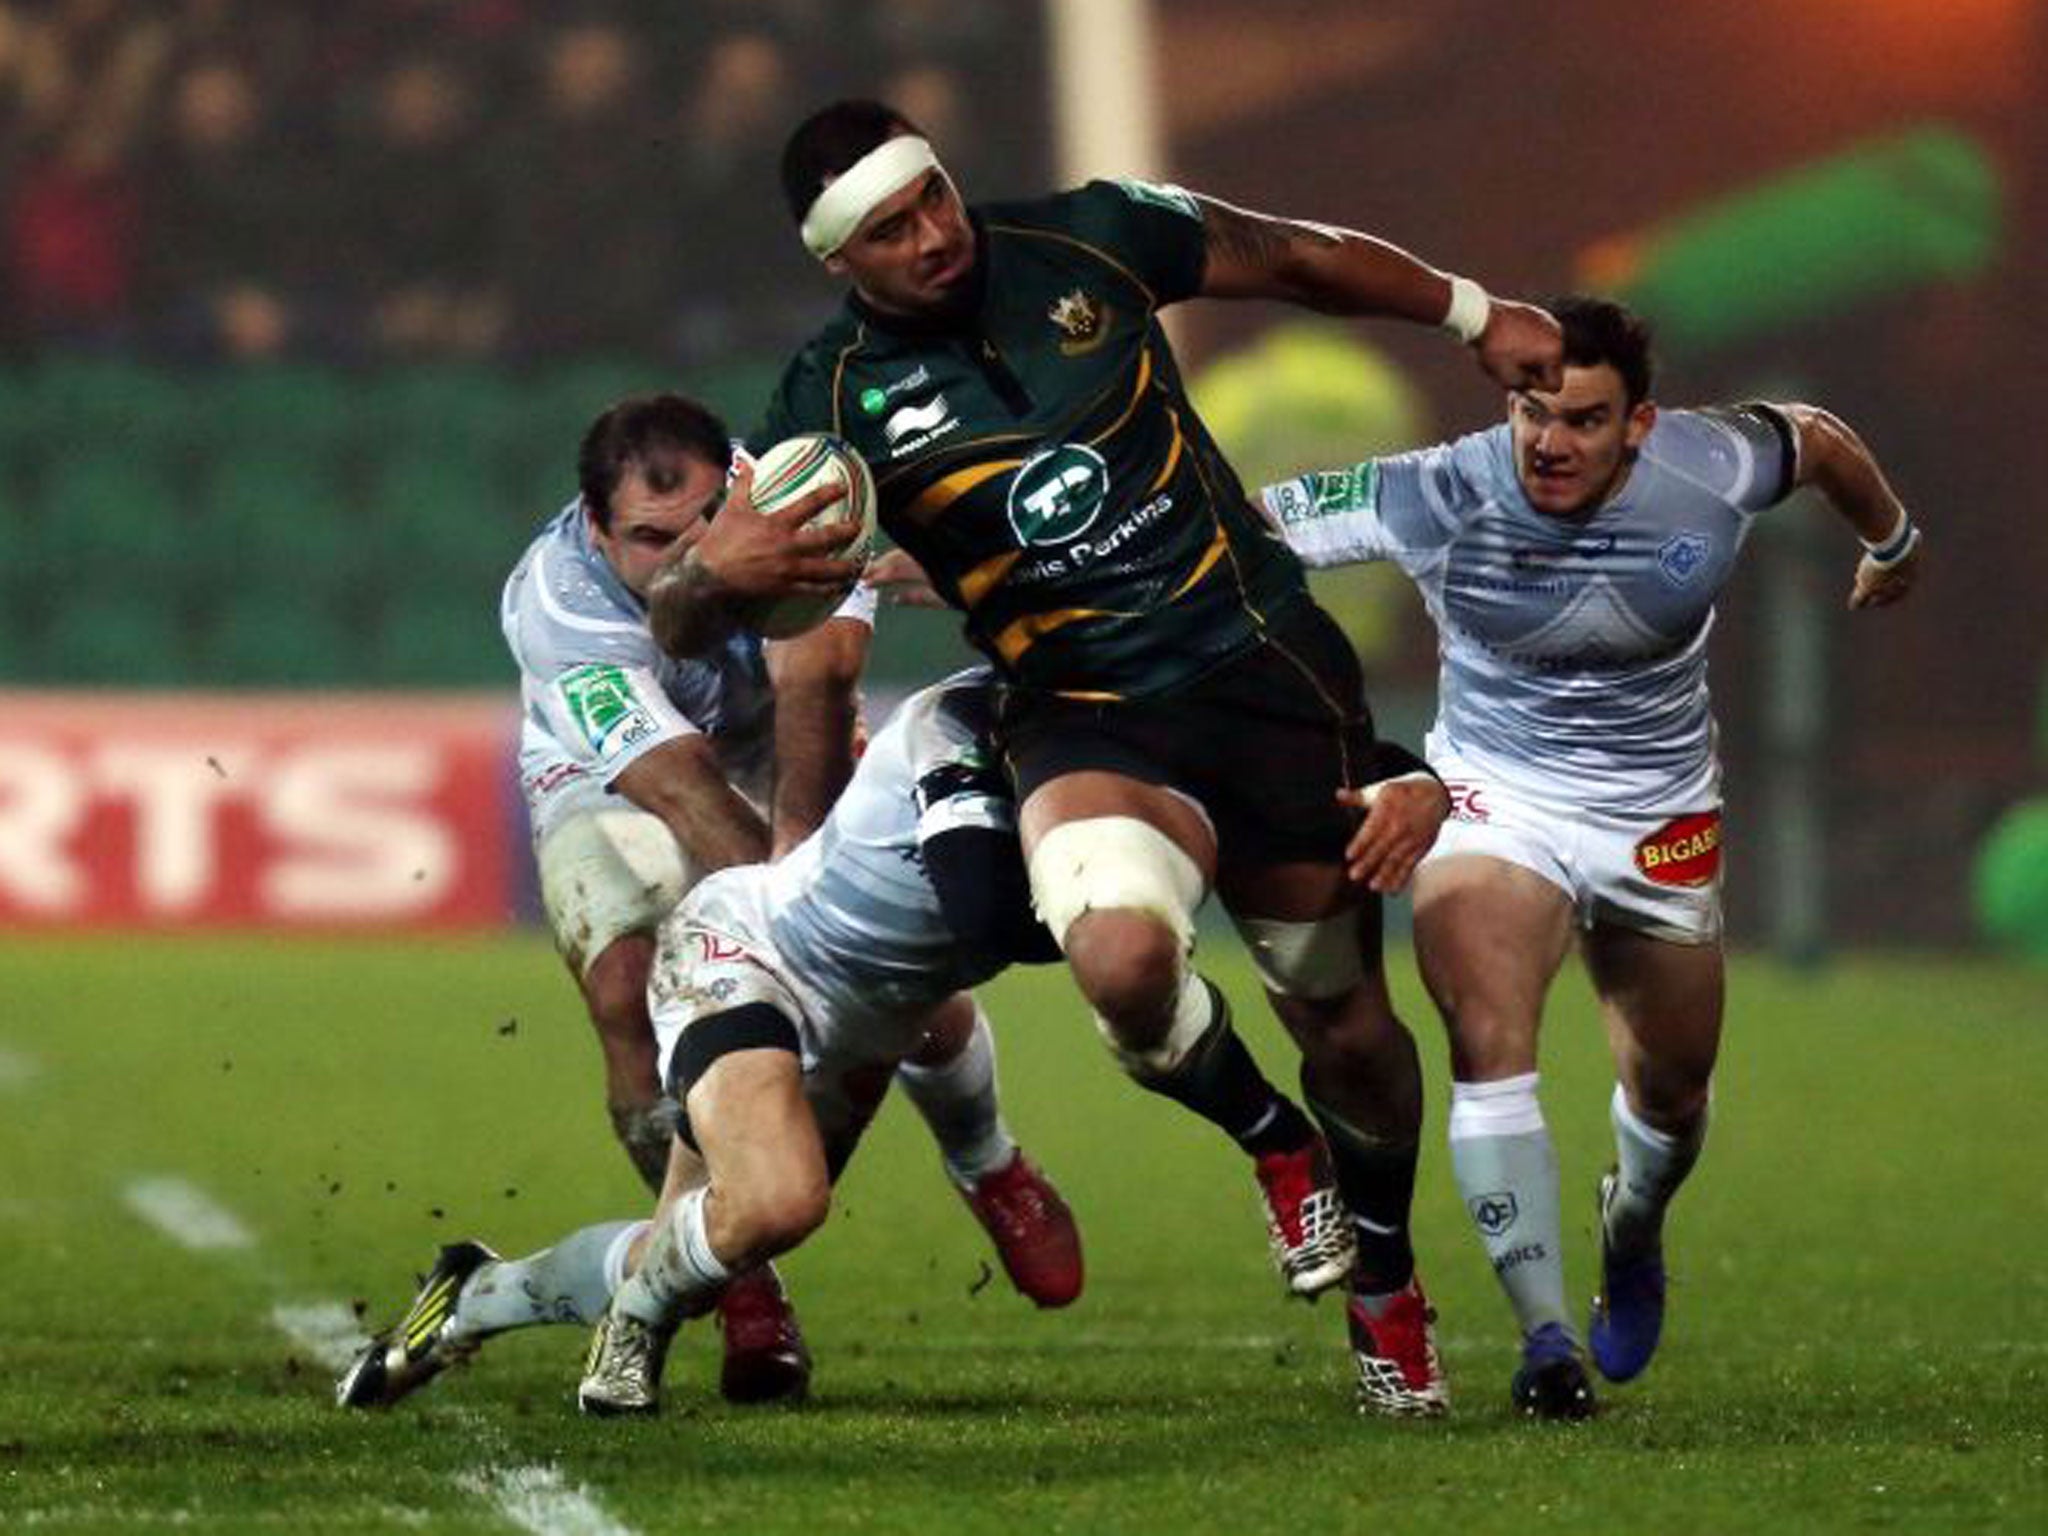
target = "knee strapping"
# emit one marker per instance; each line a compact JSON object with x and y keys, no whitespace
{"x":1193,"y":1013}
{"x":1114,"y":862}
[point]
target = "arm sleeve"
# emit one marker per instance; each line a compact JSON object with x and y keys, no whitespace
{"x":984,"y":891}
{"x":1153,"y":230}
{"x":1401,"y":509}
{"x":801,"y":403}
{"x":1747,"y":454}
{"x":967,"y":834}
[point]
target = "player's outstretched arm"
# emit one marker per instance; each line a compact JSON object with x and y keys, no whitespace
{"x":901,"y":582}
{"x":695,"y":601}
{"x":681,"y":782}
{"x":1835,"y":462}
{"x":1341,"y":272}
{"x":817,"y":707}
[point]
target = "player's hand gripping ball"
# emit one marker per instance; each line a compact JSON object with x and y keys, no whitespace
{"x":785,"y":473}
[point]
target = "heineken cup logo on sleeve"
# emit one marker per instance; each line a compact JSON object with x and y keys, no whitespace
{"x":1057,"y":494}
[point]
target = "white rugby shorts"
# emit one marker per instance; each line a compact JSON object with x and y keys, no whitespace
{"x":1656,"y":871}
{"x":605,"y":874}
{"x":716,"y":954}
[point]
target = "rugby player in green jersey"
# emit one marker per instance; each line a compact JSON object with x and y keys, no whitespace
{"x":1179,"y":716}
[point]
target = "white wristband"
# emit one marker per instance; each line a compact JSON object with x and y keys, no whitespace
{"x":1470,"y":307}
{"x":1894,"y":546}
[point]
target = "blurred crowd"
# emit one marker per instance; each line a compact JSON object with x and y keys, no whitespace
{"x":395,"y":180}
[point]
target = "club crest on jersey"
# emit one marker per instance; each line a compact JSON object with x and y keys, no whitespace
{"x":1685,"y":851}
{"x":1057,"y":493}
{"x":1078,"y":316}
{"x":1681,"y":556}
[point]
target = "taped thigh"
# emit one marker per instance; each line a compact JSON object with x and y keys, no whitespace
{"x":1317,"y":959}
{"x":1102,"y":863}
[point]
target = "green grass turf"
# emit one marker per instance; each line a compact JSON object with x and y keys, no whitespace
{"x":1857,"y":1337}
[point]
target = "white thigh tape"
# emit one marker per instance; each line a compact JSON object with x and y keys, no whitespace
{"x":1103,"y":862}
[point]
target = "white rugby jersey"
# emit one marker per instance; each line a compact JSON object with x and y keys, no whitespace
{"x":1573,"y":653}
{"x":851,"y":909}
{"x":598,"y":693}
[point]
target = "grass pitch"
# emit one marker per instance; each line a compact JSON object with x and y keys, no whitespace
{"x":1856,"y":1341}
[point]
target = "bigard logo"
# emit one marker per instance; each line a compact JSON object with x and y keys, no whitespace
{"x":1057,"y":493}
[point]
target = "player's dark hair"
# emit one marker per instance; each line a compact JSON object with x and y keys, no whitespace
{"x":830,"y":142}
{"x":1601,"y":331}
{"x":655,"y":434}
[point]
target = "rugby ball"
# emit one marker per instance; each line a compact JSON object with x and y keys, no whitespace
{"x":787,"y":472}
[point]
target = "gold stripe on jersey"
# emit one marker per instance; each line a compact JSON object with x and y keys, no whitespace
{"x":1215,"y":552}
{"x":1017,"y":638}
{"x":942,"y":493}
{"x":1172,"y":456}
{"x":977,"y":583}
{"x":1137,"y":394}
{"x":860,"y":339}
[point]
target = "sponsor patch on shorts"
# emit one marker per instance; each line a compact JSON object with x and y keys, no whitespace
{"x":1684,"y":851}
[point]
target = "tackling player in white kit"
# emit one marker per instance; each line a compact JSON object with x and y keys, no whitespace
{"x":785,"y":996}
{"x":643,"y":772}
{"x":1570,"y":559}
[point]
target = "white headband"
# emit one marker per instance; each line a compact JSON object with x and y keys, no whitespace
{"x":882,"y":172}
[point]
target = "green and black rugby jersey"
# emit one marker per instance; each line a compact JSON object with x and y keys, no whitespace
{"x":1038,"y":454}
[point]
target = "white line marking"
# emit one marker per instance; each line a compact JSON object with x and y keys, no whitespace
{"x":326,"y":1330}
{"x":186,"y":1214}
{"x":535,"y":1499}
{"x":16,"y":1069}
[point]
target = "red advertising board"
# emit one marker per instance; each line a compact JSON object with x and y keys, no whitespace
{"x":322,"y":811}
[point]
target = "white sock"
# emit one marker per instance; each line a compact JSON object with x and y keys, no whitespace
{"x":958,"y":1101}
{"x":679,"y":1274}
{"x":1652,"y":1164}
{"x":568,"y":1283}
{"x":1506,"y":1168}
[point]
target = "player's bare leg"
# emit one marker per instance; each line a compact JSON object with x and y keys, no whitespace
{"x":614,"y":990}
{"x":1168,"y":1027}
{"x":769,"y":1188}
{"x":1490,"y":937}
{"x":1663,"y":1005}
{"x":1362,"y":1080}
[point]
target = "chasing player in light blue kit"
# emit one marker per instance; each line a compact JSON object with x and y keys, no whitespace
{"x":1570,"y":559}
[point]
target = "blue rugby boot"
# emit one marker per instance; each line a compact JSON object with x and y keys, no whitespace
{"x":1552,"y":1382}
{"x":1628,"y":1313}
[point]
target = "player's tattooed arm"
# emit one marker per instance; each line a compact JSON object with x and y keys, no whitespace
{"x":1244,"y":253}
{"x":1342,"y":272}
{"x":690,"y":607}
{"x":699,"y":596}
